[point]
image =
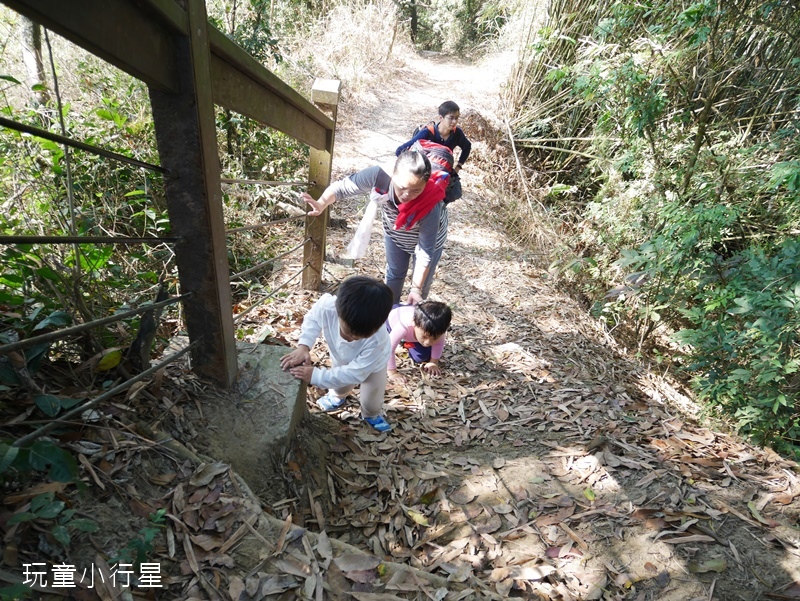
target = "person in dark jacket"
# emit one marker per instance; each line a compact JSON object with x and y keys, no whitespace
{"x":445,"y":132}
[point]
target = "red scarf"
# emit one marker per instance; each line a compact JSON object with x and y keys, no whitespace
{"x":412,"y":211}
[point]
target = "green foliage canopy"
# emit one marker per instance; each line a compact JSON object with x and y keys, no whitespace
{"x":690,"y":205}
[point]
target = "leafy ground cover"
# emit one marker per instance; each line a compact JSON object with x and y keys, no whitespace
{"x":545,"y":464}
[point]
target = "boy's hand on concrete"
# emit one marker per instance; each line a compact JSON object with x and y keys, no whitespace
{"x":302,"y":372}
{"x":299,"y":356}
{"x":432,"y":369}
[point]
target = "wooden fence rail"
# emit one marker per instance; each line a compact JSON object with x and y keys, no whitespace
{"x":189,"y":67}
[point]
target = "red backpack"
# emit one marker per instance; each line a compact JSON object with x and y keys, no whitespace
{"x":441,"y":158}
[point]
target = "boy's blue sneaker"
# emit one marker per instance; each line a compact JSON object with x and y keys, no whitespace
{"x":380,"y":424}
{"x":330,"y":402}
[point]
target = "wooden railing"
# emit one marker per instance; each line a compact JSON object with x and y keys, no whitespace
{"x":189,"y":67}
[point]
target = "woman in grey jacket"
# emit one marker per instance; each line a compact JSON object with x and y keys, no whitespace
{"x":414,"y":223}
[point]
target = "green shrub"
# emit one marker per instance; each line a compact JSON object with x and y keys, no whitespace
{"x":677,"y":127}
{"x":743,"y":344}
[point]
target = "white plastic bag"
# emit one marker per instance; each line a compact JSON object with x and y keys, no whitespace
{"x":358,"y":245}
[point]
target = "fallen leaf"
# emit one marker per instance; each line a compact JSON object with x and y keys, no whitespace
{"x":324,"y":548}
{"x":350,"y":562}
{"x":29,"y":493}
{"x":108,"y":588}
{"x":135,"y":388}
{"x":206,"y":541}
{"x":111,"y":358}
{"x":693,"y":538}
{"x":504,"y":587}
{"x":417,"y":517}
{"x":140,"y":508}
{"x":162,"y":479}
{"x":757,"y":514}
{"x":292,"y":565}
{"x":206,"y":473}
{"x":457,"y":573}
{"x":491,"y":524}
{"x":251,"y":585}
{"x":375,"y":597}
{"x":462,"y":496}
{"x":362,"y":576}
{"x":712,"y":565}
{"x":235,"y":587}
{"x":274,"y":585}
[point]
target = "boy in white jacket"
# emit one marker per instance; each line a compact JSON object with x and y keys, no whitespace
{"x":353,"y":324}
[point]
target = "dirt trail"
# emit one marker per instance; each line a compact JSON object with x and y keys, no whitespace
{"x":378,"y":121}
{"x":545,"y":463}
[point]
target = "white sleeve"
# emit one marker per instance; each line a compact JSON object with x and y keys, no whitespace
{"x":312,"y":323}
{"x":372,"y":358}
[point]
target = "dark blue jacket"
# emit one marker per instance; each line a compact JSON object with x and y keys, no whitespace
{"x":456,"y":138}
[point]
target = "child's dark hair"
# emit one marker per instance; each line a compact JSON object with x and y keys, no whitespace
{"x":363,"y":304}
{"x":448,"y":108}
{"x":433,"y":317}
{"x":415,"y":162}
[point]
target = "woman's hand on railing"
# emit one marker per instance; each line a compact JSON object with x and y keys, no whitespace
{"x":317,"y":206}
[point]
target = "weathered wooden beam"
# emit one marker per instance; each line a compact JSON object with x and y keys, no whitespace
{"x":188,"y":66}
{"x":243,"y":85}
{"x":187,"y":143}
{"x":121,"y":33}
{"x":325,"y":93}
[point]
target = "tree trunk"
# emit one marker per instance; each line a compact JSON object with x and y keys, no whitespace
{"x":34,"y":65}
{"x":413,"y":20}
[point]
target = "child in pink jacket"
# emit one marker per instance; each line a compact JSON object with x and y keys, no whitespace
{"x":421,"y":328}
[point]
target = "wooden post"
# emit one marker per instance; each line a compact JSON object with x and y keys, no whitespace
{"x":325,"y":94}
{"x":187,"y":144}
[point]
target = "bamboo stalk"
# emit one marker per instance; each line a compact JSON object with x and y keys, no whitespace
{"x":566,"y":150}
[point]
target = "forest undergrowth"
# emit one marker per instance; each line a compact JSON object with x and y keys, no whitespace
{"x":549,"y":462}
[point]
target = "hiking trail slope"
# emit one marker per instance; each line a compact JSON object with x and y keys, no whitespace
{"x":545,"y":462}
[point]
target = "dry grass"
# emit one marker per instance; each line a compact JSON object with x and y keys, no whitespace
{"x":359,"y":43}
